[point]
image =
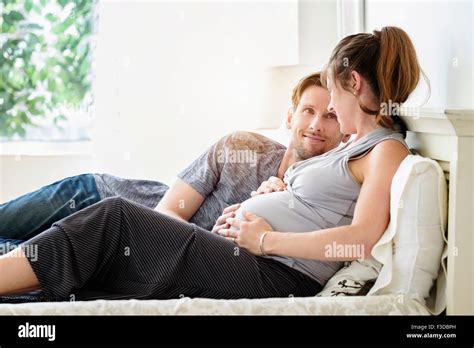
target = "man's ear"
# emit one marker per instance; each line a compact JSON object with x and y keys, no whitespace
{"x":289,"y":117}
{"x":345,"y":138}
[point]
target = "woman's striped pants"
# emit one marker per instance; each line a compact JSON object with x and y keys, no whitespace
{"x":120,"y":249}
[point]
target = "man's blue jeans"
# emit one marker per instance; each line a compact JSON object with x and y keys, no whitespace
{"x":35,"y":212}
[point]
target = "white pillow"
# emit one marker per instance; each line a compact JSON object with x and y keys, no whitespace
{"x":414,"y":245}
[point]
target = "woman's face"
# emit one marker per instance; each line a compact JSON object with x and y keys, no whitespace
{"x":342,"y":103}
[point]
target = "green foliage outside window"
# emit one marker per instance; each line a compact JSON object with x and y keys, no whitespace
{"x":45,"y":60}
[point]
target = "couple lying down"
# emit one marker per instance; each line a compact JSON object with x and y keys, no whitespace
{"x":324,"y":190}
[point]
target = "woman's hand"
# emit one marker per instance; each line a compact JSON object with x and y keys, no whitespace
{"x":273,"y":184}
{"x":249,"y":232}
{"x":228,"y":212}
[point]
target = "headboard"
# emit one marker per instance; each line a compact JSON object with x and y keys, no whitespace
{"x":447,"y":136}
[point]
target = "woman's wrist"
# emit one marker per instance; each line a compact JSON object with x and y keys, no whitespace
{"x":262,"y":243}
{"x":266,"y":243}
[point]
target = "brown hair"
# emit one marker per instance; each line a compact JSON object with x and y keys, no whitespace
{"x":387,"y":61}
{"x":305,"y":82}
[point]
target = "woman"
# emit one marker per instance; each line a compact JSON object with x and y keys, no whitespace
{"x":346,"y":198}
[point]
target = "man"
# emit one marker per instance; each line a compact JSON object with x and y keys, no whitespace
{"x":223,"y":176}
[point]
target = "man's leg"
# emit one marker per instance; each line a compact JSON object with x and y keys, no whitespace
{"x":35,"y":212}
{"x":146,"y":192}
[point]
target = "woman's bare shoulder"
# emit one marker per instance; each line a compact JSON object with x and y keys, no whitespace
{"x":386,"y":156}
{"x":389,"y":149}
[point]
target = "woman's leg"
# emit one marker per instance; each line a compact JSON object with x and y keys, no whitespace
{"x":35,"y":212}
{"x":17,"y":276}
{"x":127,"y":249}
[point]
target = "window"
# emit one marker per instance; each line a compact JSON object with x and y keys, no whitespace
{"x":46,"y":69}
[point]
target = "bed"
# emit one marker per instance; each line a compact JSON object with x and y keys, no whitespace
{"x":445,"y":136}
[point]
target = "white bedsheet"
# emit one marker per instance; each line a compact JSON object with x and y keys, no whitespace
{"x":345,"y":305}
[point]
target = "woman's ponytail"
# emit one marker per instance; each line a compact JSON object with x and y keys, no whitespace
{"x":398,"y":71}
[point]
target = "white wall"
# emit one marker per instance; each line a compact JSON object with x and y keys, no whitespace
{"x":442,"y":32}
{"x":318,"y":31}
{"x":172,"y":77}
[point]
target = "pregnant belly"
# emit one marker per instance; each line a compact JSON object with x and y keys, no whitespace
{"x":282,"y":211}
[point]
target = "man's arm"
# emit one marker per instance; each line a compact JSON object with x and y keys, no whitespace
{"x":196,"y":182}
{"x":181,"y":201}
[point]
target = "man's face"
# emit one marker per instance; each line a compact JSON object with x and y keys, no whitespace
{"x":315,"y":130}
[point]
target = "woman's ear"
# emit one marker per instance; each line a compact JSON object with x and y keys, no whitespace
{"x":289,"y":117}
{"x":356,"y":82}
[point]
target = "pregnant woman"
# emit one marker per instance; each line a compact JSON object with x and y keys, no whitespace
{"x":277,"y":245}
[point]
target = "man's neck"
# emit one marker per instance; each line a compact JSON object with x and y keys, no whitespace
{"x":288,"y":159}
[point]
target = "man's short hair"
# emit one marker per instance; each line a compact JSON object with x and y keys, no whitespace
{"x":310,"y":80}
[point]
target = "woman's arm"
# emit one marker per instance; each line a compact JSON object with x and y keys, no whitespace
{"x":371,"y":216}
{"x":181,"y":201}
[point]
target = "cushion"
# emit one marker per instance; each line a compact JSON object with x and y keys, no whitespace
{"x":412,"y":252}
{"x":413,"y":249}
{"x":355,"y":278}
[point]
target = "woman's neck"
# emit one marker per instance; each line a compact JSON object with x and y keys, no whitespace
{"x":366,"y":126}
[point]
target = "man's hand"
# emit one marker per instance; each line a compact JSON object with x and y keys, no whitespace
{"x":228,"y":212}
{"x":273,"y":184}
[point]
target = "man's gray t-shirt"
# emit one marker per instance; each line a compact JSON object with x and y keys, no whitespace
{"x":224,"y":175}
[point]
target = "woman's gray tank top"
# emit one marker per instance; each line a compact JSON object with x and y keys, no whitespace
{"x":321,"y":193}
